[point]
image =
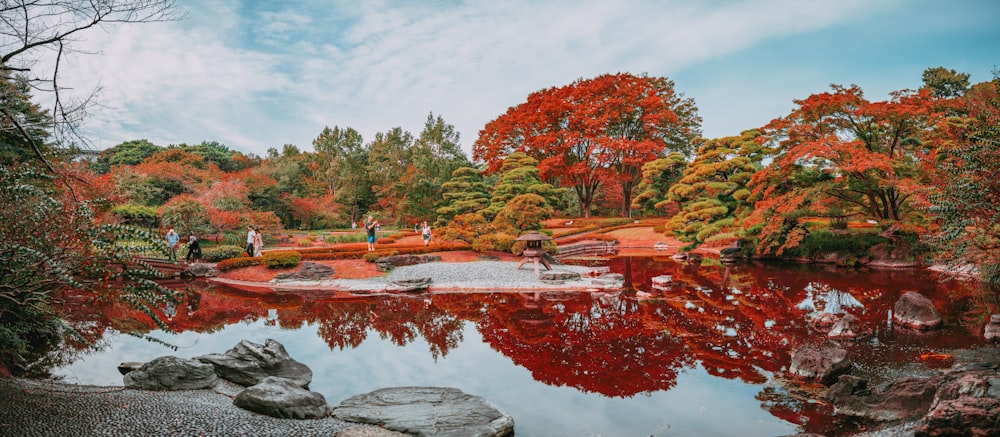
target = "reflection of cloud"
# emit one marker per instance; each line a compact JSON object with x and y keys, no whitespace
{"x":821,"y":297}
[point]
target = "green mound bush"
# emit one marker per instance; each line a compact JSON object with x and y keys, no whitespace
{"x":281,"y":259}
{"x":219,"y":253}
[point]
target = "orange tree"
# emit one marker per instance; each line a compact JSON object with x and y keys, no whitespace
{"x":593,"y":131}
{"x":966,"y":199}
{"x":836,"y":155}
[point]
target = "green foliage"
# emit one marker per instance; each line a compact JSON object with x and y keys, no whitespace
{"x":126,"y":153}
{"x":235,"y":263}
{"x":219,"y":253}
{"x":826,"y":242}
{"x":464,"y":193}
{"x":52,"y":244}
{"x":186,"y":215}
{"x":519,"y":175}
{"x":465,"y":227}
{"x":137,"y":215}
{"x":281,"y":259}
{"x":371,"y":256}
{"x":657,"y":177}
{"x":523,"y":213}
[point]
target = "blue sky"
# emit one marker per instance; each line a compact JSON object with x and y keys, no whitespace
{"x":259,"y":74}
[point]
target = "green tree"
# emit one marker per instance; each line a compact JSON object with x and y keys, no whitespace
{"x":343,"y":161}
{"x":186,"y":215}
{"x":435,"y":154}
{"x":126,"y":153}
{"x":945,"y":83}
{"x":713,"y":189}
{"x":465,"y":193}
{"x":966,"y":200}
{"x":519,"y":175}
{"x":526,"y":212}
{"x":390,"y":172}
{"x":657,"y":177}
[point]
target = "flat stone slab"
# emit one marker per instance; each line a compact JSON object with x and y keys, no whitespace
{"x":427,"y":411}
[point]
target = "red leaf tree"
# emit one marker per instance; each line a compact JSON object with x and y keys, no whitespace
{"x":593,"y":131}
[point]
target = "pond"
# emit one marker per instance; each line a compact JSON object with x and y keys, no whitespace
{"x":704,"y":354}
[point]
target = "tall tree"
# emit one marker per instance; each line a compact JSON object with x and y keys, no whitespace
{"x":464,"y":193}
{"x":657,"y":177}
{"x":435,"y":154}
{"x":517,"y":176}
{"x":837,"y":154}
{"x":388,"y":165}
{"x":713,"y":189}
{"x":966,"y":199}
{"x":595,"y":130}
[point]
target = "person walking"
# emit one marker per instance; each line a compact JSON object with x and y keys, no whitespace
{"x":370,"y":227}
{"x":425,"y":231}
{"x":251,"y":236}
{"x":172,"y":240}
{"x":194,"y":249}
{"x":258,"y":243}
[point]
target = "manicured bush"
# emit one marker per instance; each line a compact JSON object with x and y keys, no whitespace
{"x":372,"y":256}
{"x":216,"y":254}
{"x":280,"y":259}
{"x":235,"y":263}
{"x":304,"y":242}
{"x":499,"y":242}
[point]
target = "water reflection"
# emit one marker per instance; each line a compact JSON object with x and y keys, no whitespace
{"x":737,"y":323}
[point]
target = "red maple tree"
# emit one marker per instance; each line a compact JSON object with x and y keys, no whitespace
{"x":593,"y":131}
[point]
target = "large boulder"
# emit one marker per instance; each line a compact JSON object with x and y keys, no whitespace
{"x":992,"y":330}
{"x":387,"y":263}
{"x":914,"y":310}
{"x":847,"y":328}
{"x":200,"y":270}
{"x":248,"y":363}
{"x":172,"y":373}
{"x":905,"y":398}
{"x":965,"y":416}
{"x":427,"y":411}
{"x":309,"y":271}
{"x":281,"y":398}
{"x":820,"y":361}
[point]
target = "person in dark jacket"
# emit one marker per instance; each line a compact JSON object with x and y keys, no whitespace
{"x":194,"y":249}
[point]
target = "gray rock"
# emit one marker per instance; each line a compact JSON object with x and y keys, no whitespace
{"x":200,"y":270}
{"x":386,"y":263}
{"x":820,"y":361}
{"x":558,"y":275}
{"x":248,"y":363}
{"x":128,"y":366}
{"x":409,"y":285}
{"x":427,"y":411}
{"x":281,"y":398}
{"x":915,"y":310}
{"x":172,"y":373}
{"x":847,"y":327}
{"x":992,"y":331}
{"x":309,"y":271}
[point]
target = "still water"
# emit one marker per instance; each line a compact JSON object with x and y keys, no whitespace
{"x":704,"y":354}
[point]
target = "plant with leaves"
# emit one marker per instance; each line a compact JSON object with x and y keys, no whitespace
{"x":186,"y":215}
{"x":519,"y":175}
{"x":435,"y":154}
{"x":343,"y":161}
{"x":714,"y":190}
{"x":53,"y":248}
{"x":593,"y":131}
{"x":526,"y":212}
{"x":966,"y":199}
{"x":838,"y":154}
{"x":464,"y":193}
{"x":657,"y":177}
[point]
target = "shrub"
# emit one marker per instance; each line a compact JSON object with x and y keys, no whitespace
{"x":372,"y":256}
{"x":281,"y":259}
{"x":235,"y":263}
{"x":825,"y":242}
{"x":500,"y":241}
{"x":216,"y":254}
{"x":304,"y":242}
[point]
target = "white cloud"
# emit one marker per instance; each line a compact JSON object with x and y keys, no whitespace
{"x":277,"y":77}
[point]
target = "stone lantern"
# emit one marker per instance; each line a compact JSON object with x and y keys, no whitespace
{"x":533,"y":252}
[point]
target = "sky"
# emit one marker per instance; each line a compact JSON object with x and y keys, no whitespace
{"x":254,"y":75}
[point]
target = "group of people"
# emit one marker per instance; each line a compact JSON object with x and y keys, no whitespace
{"x":193,"y":246}
{"x":255,"y":242}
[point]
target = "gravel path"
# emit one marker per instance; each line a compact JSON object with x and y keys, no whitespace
{"x":31,"y":407}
